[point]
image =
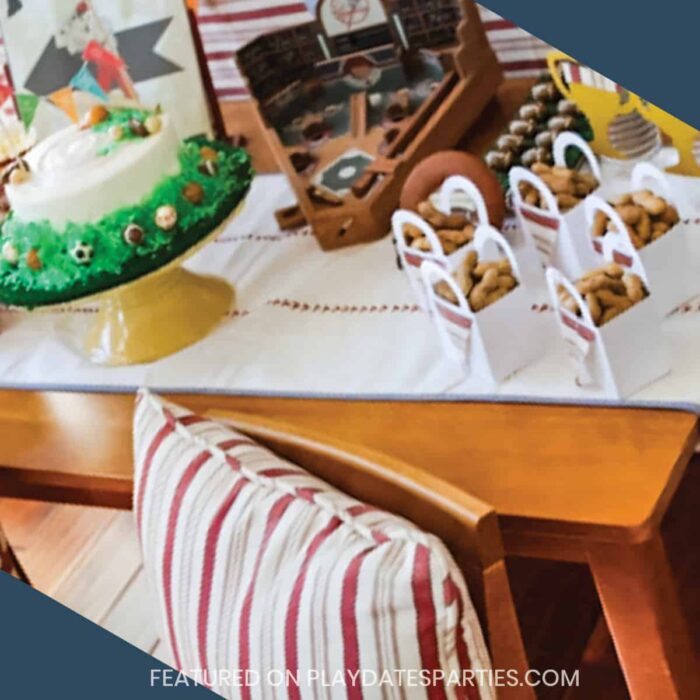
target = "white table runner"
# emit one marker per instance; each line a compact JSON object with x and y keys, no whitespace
{"x":313,"y":323}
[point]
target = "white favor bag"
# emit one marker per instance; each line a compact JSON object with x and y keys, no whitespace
{"x":625,"y":354}
{"x":411,"y":258}
{"x":561,"y":239}
{"x":666,"y":262}
{"x":497,"y":341}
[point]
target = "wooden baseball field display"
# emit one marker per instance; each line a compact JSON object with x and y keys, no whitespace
{"x":351,"y":102}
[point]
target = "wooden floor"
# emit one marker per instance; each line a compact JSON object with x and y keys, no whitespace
{"x":89,"y":560}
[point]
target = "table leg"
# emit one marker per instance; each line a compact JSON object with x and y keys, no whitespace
{"x":642,"y":609}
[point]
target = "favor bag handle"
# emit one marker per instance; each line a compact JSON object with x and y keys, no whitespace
{"x":431,"y":274}
{"x":459,"y":183}
{"x":612,"y":241}
{"x":484,"y":234}
{"x":518,"y":175}
{"x":555,"y":279}
{"x":401,"y":218}
{"x":646,"y":172}
{"x":569,"y":139}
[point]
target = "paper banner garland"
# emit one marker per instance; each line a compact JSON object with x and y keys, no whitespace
{"x":26,"y":105}
{"x":13,"y":7}
{"x":64,"y":100}
{"x":85,"y":81}
{"x":110,"y":47}
{"x":111,"y":69}
{"x":5,"y":93}
{"x":56,"y":66}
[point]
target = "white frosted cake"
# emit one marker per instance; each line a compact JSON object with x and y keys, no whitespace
{"x":104,"y":202}
{"x":80,"y":175}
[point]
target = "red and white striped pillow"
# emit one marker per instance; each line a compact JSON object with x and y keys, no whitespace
{"x":259,"y":566}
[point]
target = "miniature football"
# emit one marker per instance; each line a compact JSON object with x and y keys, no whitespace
{"x":427,"y":177}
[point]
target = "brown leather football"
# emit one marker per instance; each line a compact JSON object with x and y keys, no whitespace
{"x":427,"y":177}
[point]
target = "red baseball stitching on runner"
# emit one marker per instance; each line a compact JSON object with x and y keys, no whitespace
{"x":294,"y":305}
{"x":271,"y":238}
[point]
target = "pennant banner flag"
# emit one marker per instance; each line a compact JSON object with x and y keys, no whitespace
{"x":85,"y":81}
{"x":111,"y":69}
{"x":64,"y":100}
{"x":5,"y":93}
{"x":26,"y":105}
{"x":57,"y":65}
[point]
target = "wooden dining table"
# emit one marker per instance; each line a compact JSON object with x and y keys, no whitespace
{"x":574,"y":484}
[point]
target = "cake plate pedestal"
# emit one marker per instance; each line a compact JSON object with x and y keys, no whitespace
{"x":160,"y":313}
{"x":157,"y":316}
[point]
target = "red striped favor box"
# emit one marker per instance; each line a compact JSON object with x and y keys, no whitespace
{"x":497,"y":341}
{"x":619,"y":358}
{"x":560,"y":238}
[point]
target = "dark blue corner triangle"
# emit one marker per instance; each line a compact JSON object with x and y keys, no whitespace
{"x":48,"y":651}
{"x":647,"y":47}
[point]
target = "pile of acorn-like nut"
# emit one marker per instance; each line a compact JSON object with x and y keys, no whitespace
{"x":453,"y":230}
{"x":646,"y":216}
{"x":608,"y":292}
{"x":530,"y":136}
{"x":569,"y":187}
{"x":482,"y":283}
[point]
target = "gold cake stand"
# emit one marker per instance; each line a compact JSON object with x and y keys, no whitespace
{"x":160,"y":313}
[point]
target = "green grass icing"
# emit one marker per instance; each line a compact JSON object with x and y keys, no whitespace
{"x":121,"y":118}
{"x":62,"y":279}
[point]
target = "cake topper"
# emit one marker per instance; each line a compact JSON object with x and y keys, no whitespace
{"x":109,"y":51}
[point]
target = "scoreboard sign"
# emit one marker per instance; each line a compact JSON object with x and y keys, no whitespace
{"x":340,"y":17}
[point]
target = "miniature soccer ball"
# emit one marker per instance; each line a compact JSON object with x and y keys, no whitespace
{"x":82,"y":253}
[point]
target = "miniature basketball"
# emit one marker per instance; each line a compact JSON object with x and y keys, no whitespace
{"x":427,"y":177}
